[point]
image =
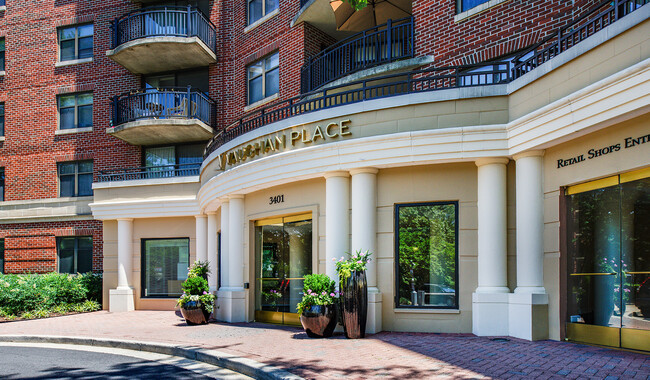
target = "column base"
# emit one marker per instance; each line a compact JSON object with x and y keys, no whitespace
{"x":490,"y":314}
{"x":120,"y":300}
{"x":231,"y":305}
{"x":528,"y":315}
{"x":373,"y":322}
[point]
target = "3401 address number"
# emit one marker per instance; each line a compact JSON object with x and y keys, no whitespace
{"x":276,"y":199}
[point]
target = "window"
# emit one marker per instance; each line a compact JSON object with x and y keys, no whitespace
{"x":2,"y":256}
{"x":2,"y":184}
{"x":172,"y":161}
{"x":426,"y":246}
{"x":465,"y":5}
{"x":263,"y":78}
{"x":164,"y":266}
{"x":76,"y":178}
{"x":260,"y":8}
{"x":75,"y":42}
{"x":76,"y":110}
{"x":75,"y":254}
{"x":2,"y":54}
{"x":2,"y":119}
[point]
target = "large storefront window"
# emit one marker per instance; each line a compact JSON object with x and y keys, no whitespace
{"x":608,"y":262}
{"x":283,"y":257}
{"x":426,"y":245}
{"x":164,"y":266}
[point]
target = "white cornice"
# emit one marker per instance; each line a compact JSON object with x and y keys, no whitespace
{"x":146,"y":208}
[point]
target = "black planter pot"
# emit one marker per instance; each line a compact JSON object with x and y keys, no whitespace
{"x":354,"y":298}
{"x":194,"y":314}
{"x":319,"y":321}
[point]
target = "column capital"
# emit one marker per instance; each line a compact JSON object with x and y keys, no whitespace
{"x":530,"y":153}
{"x":200,"y":216}
{"x":235,"y":196}
{"x":212,"y":212}
{"x":364,"y":170}
{"x":338,"y":173}
{"x":223,"y":199}
{"x":491,"y":160}
{"x":124,"y":219}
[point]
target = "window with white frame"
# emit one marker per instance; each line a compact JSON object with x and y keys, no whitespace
{"x":263,"y":78}
{"x":76,"y":178}
{"x":75,"y":42}
{"x":260,"y":8}
{"x":76,"y":110}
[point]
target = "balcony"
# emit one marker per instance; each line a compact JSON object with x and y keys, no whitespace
{"x":163,"y":116}
{"x":380,"y":45}
{"x":149,"y":172}
{"x":157,"y":39}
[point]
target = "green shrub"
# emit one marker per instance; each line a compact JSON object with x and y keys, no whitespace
{"x":195,"y":286}
{"x":20,"y":294}
{"x":199,"y":269}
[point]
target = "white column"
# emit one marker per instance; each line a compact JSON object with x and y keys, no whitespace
{"x":121,"y":299}
{"x":490,"y":300}
{"x":337,"y":222}
{"x":236,"y":243}
{"x":211,"y":247}
{"x":530,"y":223}
{"x":232,"y":296}
{"x":364,"y":236}
{"x":225,"y":230}
{"x":492,"y":226}
{"x":529,"y":304}
{"x":201,"y":238}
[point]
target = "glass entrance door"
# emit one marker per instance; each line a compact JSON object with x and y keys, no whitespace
{"x":283,"y":256}
{"x":608,"y":261}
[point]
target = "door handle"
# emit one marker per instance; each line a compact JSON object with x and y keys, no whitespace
{"x":594,"y":274}
{"x":642,"y":272}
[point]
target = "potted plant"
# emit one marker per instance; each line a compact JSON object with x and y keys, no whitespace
{"x":318,"y":306}
{"x":196,"y":302}
{"x":199,"y":269}
{"x":354,"y":293}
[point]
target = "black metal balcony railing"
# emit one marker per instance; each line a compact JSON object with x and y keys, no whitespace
{"x":581,"y":28}
{"x":149,"y":172}
{"x":164,"y":21}
{"x":167,"y":103}
{"x":432,"y":79}
{"x":379,"y":45}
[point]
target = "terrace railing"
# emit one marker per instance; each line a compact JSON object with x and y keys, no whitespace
{"x":164,"y":21}
{"x":167,"y":103}
{"x":149,"y":172}
{"x":375,"y":46}
{"x":568,"y":36}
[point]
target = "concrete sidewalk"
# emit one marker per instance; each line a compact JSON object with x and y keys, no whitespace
{"x":383,"y":355}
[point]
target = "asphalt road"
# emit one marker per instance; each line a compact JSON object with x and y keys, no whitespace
{"x":47,"y":361}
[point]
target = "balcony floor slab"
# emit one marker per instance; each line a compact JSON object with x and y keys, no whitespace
{"x":161,"y":131}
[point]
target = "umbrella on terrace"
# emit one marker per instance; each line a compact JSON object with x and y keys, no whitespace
{"x":376,"y":13}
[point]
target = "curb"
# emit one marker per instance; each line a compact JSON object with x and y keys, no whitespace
{"x":244,"y":366}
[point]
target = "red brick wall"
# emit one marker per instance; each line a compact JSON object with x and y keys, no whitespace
{"x":31,"y":247}
{"x":500,"y":30}
{"x":31,"y":149}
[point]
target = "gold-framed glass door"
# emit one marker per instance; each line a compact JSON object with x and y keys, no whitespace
{"x":283,"y":256}
{"x":608,"y":261}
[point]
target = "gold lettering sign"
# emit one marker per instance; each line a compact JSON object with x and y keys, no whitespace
{"x":275,"y":143}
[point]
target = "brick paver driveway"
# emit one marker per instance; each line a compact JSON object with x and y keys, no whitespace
{"x":385,"y":355}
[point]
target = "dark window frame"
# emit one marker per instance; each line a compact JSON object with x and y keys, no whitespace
{"x":3,"y":49}
{"x":76,"y":177}
{"x":76,"y":252}
{"x":76,"y":109}
{"x":143,"y":258}
{"x":265,"y":12}
{"x":263,"y":75}
{"x":396,"y":208}
{"x":76,"y":41}
{"x":2,"y":256}
{"x":459,"y":6}
{"x":2,"y":118}
{"x":2,"y":184}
